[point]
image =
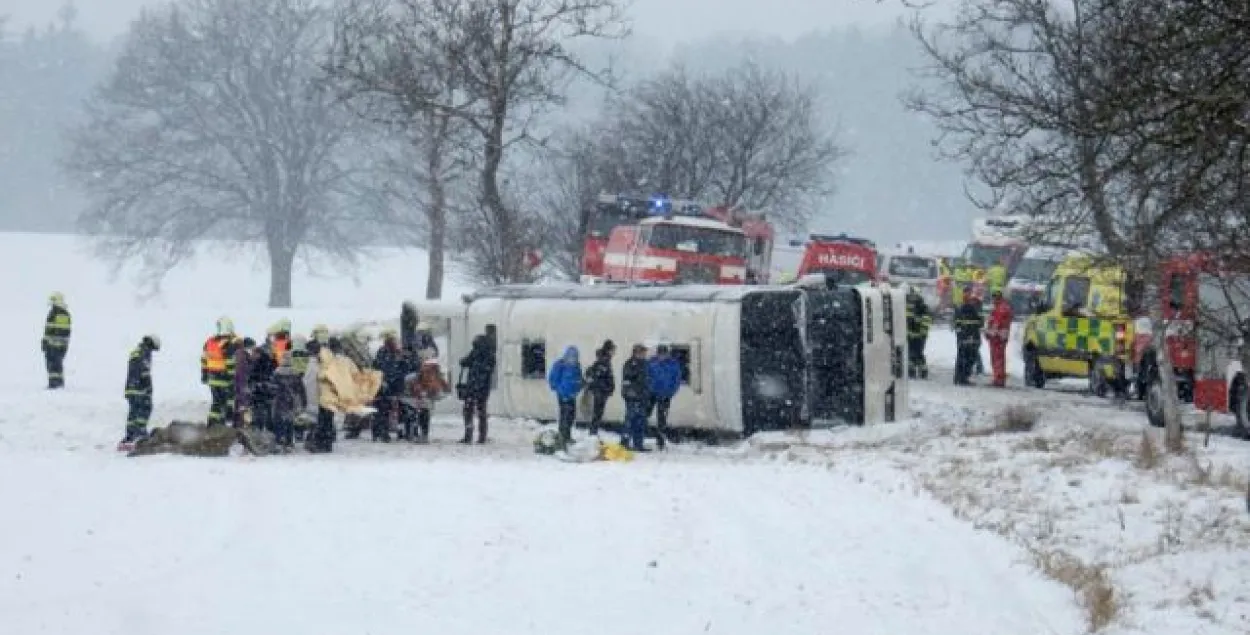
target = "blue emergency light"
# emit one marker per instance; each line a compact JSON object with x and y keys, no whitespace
{"x":661,"y":205}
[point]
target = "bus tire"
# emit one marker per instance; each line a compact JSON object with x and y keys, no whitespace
{"x":1033,"y":375}
{"x":1153,"y":398}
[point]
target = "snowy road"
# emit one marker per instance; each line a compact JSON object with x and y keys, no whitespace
{"x":105,"y":545}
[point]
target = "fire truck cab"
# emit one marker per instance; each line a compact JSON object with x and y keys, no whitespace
{"x":844,"y":260}
{"x":1203,"y":306}
{"x":665,"y":241}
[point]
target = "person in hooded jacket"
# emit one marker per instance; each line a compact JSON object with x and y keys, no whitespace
{"x":395,"y":364}
{"x":600,"y":383}
{"x":636,"y":391}
{"x":477,"y":372}
{"x":322,"y":436}
{"x":262,"y":364}
{"x":565,"y":380}
{"x":665,"y":373}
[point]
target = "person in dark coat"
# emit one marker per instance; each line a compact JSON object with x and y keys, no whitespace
{"x":600,"y":383}
{"x":55,"y":342}
{"x":565,"y":380}
{"x":636,"y":391}
{"x":139,"y":390}
{"x":477,"y":372}
{"x":665,"y":373}
{"x":919,"y":322}
{"x":395,"y":364}
{"x":242,"y":384}
{"x":968,"y":324}
{"x":408,"y":321}
{"x":289,"y":399}
{"x":262,"y":365}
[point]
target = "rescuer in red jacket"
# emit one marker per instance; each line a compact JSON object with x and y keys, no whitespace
{"x":997,"y":332}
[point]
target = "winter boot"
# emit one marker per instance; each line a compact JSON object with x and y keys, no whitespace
{"x":481,"y":432}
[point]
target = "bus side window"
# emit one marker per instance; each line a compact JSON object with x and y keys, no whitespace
{"x":681,"y":353}
{"x":534,"y":359}
{"x":687,"y":356}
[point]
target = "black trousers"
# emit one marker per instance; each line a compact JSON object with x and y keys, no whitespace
{"x":568,"y":415}
{"x":54,"y":360}
{"x":321,"y":439}
{"x":915,"y":356}
{"x":140,"y":410}
{"x":661,"y":405}
{"x":220,"y":411}
{"x":475,"y":404}
{"x":597,"y":403}
{"x":966,"y":357}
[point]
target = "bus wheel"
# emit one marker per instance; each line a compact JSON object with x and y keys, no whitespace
{"x":1154,"y":402}
{"x":1033,"y":375}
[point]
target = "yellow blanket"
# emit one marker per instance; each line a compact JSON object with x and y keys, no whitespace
{"x":344,"y":387}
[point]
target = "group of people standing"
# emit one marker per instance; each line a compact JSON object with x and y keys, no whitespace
{"x":970,"y":326}
{"x":648,"y":384}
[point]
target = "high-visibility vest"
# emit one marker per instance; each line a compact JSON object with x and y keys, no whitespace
{"x":215,"y":354}
{"x":279,"y":347}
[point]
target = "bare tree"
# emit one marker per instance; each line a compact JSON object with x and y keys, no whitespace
{"x":383,"y":64}
{"x":212,"y":124}
{"x":511,"y":63}
{"x":748,"y":137}
{"x":1031,"y":95}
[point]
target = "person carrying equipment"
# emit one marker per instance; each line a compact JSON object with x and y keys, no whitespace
{"x":55,"y":343}
{"x":997,"y":333}
{"x":139,"y":391}
{"x":919,"y":320}
{"x":968,"y":323}
{"x":217,"y":371}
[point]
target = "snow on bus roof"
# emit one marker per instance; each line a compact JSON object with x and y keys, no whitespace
{"x":690,"y":221}
{"x":641,"y":293}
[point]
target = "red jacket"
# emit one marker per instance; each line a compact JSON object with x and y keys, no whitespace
{"x":999,"y":325}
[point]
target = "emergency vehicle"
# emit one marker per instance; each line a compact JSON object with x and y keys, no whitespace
{"x":1028,"y":281}
{"x":998,"y":239}
{"x":917,"y":271}
{"x":1203,"y":305}
{"x":661,"y":240}
{"x":1082,"y":326}
{"x":842,"y":259}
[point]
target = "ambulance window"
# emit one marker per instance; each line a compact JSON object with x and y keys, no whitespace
{"x":1053,"y":289}
{"x":534,"y":359}
{"x":681,"y":353}
{"x":1075,"y":291}
{"x":1176,"y":291}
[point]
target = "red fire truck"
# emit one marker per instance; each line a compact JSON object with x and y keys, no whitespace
{"x":1203,"y":303}
{"x":659,"y":240}
{"x":842,"y":259}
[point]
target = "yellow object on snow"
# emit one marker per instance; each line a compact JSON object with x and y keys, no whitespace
{"x":345,"y":387}
{"x":616,"y":452}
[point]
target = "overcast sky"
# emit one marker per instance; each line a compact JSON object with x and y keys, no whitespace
{"x":674,"y":20}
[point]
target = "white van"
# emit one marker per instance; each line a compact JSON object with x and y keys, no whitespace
{"x":916,"y":271}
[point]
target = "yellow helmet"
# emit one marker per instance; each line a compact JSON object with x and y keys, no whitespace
{"x":321,"y":333}
{"x":281,"y":326}
{"x":225,"y":326}
{"x":56,"y":299}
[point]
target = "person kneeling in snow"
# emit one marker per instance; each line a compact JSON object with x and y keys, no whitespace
{"x":139,"y":391}
{"x":565,"y":380}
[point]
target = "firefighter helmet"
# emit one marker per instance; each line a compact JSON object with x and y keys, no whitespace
{"x":225,"y":326}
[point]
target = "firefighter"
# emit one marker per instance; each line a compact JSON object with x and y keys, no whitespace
{"x":997,"y":332}
{"x":967,"y":323}
{"x":217,"y":371}
{"x":139,"y":391}
{"x":918,"y":322}
{"x":278,"y":341}
{"x":55,"y":343}
{"x":996,"y":277}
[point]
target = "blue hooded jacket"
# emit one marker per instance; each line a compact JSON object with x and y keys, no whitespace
{"x":565,"y":377}
{"x":665,"y":376}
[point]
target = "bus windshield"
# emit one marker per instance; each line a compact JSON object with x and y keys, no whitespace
{"x":913,"y":267}
{"x":985,"y":256}
{"x":697,"y":240}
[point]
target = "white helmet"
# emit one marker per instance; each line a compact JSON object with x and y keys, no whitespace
{"x":225,"y":326}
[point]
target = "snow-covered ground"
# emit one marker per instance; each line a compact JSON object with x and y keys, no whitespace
{"x":935,"y":525}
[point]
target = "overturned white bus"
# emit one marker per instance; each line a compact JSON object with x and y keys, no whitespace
{"x":753,"y":358}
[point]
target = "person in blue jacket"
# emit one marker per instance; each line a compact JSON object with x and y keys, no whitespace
{"x":565,"y":380}
{"x":665,"y":373}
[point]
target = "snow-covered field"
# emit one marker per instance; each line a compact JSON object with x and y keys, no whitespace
{"x":937,"y":525}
